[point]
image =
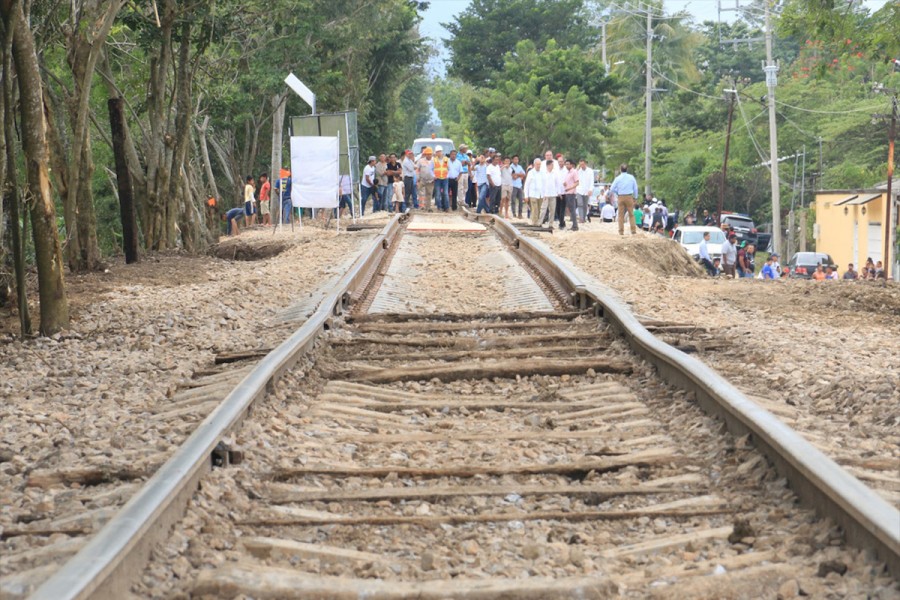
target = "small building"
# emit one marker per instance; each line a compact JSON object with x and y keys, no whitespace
{"x":851,"y":225}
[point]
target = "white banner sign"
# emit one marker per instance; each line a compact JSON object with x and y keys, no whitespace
{"x":314,"y":172}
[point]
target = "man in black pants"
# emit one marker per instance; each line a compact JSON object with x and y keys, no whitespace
{"x":408,"y":168}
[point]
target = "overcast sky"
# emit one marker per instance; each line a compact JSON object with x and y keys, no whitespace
{"x":442,"y":11}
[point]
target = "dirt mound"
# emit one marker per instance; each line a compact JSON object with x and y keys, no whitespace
{"x":657,"y":255}
{"x":238,"y":249}
{"x":876,"y":297}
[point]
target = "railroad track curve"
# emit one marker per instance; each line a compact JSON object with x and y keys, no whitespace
{"x":546,"y":445}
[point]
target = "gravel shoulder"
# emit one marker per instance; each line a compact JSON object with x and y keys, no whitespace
{"x":822,"y":356}
{"x":88,"y":414}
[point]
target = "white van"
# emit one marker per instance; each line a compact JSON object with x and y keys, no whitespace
{"x":419,"y":144}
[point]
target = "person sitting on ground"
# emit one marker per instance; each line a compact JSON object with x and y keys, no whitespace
{"x":231,"y":219}
{"x":608,"y":213}
{"x":819,"y":275}
{"x":850,"y":273}
{"x":768,"y":270}
{"x":830,"y":274}
{"x":717,"y":267}
{"x":879,"y":271}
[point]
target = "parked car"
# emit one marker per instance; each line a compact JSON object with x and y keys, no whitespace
{"x":419,"y":144}
{"x":743,"y":226}
{"x":803,"y":264}
{"x":690,"y":236}
{"x":764,"y":242}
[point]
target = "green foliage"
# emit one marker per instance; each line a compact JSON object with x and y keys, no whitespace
{"x":489,"y":29}
{"x":541,"y":99}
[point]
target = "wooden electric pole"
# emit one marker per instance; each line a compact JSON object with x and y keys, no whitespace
{"x":731,"y":96}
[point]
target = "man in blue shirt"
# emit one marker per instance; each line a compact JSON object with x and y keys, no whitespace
{"x":625,"y":188}
{"x":286,"y":205}
{"x":768,"y":270}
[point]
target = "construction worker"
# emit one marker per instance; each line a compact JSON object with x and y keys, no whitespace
{"x":441,"y":179}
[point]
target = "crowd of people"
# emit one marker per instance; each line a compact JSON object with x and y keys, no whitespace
{"x":547,"y":191}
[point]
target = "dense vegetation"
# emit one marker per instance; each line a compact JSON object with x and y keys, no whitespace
{"x":200,"y":81}
{"x":837,"y":70}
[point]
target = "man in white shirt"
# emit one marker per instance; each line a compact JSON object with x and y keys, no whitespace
{"x":534,"y":190}
{"x":455,"y":170}
{"x":585,"y":190}
{"x":368,"y":185}
{"x":608,"y":213}
{"x":705,"y":258}
{"x":548,"y":205}
{"x":493,"y":177}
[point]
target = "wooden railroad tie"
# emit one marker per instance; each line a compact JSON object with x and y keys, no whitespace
{"x":500,"y":369}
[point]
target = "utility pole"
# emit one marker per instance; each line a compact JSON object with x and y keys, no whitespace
{"x":771,"y":70}
{"x":888,"y":238}
{"x":730,"y":94}
{"x":649,"y":102}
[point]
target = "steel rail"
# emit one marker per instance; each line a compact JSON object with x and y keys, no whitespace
{"x":108,"y":564}
{"x":868,"y":520}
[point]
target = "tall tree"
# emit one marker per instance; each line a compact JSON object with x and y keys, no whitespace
{"x":47,"y":248}
{"x":552,"y":99}
{"x":86,"y":33}
{"x":488,"y":29}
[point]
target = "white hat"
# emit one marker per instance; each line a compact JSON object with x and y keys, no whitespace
{"x":438,"y":148}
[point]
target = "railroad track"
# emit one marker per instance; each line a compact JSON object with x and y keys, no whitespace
{"x":526,"y":450}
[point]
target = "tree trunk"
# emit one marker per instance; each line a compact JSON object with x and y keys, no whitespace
{"x":11,"y":184}
{"x":48,"y":252}
{"x":207,"y":165}
{"x":123,"y":178}
{"x":278,"y":102}
{"x":183,"y":111}
{"x":59,"y":172}
{"x":158,"y":145}
{"x":84,"y":49}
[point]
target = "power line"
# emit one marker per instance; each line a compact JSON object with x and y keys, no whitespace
{"x":825,"y":112}
{"x":759,"y":151}
{"x":687,"y":89}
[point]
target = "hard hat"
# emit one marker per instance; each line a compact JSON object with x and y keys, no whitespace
{"x":438,"y":148}
{"x":426,"y":150}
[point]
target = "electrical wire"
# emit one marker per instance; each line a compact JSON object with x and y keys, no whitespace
{"x":759,"y":151}
{"x":687,"y":89}
{"x":824,"y":112}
